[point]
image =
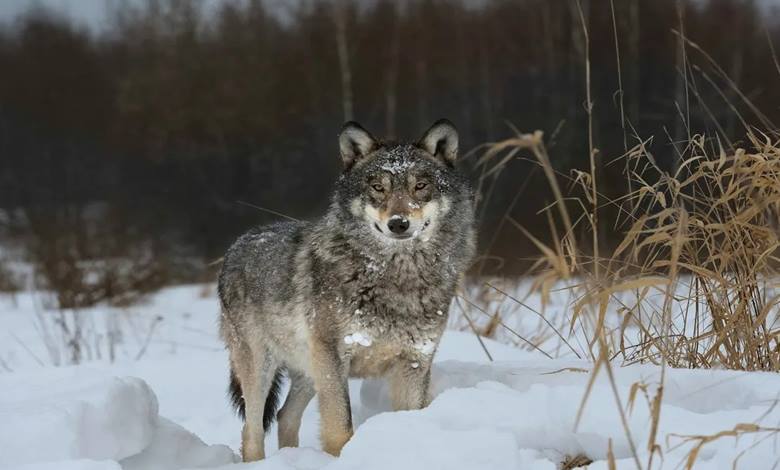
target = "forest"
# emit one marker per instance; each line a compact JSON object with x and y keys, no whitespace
{"x":161,"y":138}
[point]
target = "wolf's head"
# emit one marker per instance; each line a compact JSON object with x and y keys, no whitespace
{"x":401,"y":192}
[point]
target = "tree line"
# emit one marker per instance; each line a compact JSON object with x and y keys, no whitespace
{"x":169,"y":133}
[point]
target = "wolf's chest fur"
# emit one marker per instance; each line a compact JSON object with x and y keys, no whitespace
{"x":384,"y":305}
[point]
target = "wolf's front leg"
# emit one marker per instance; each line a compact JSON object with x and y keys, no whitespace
{"x":331,"y":373}
{"x":409,"y":383}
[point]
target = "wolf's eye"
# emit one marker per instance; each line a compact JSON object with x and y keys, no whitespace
{"x":378,"y":187}
{"x":420,"y":185}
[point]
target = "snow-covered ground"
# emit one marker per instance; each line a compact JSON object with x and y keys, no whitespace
{"x":161,"y":403}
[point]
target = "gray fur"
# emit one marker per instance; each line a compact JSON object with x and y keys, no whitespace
{"x":294,"y":294}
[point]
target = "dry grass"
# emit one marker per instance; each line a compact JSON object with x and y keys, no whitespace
{"x":741,"y":430}
{"x":576,"y":461}
{"x":712,"y":228}
{"x":694,"y":274}
{"x":691,"y":283}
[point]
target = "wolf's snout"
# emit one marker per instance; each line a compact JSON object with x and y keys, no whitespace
{"x":398,"y":224}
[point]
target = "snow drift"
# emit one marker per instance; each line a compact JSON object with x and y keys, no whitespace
{"x":168,"y":410}
{"x":93,"y":422}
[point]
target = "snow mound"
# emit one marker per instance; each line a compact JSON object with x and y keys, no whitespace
{"x":302,"y":458}
{"x":522,"y":414}
{"x":174,"y":447}
{"x":97,"y":419}
{"x":73,"y":465}
{"x":95,"y":422}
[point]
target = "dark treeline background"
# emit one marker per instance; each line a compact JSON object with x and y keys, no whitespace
{"x":138,"y":142}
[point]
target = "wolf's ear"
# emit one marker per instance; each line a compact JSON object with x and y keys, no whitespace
{"x":441,"y":141}
{"x":355,"y":143}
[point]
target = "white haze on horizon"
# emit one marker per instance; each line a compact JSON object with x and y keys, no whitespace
{"x":94,"y":14}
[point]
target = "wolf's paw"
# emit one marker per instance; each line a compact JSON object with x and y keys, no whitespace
{"x":333,"y":441}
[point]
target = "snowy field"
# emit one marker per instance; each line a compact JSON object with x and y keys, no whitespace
{"x":161,"y":404}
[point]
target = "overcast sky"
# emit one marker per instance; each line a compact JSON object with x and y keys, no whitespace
{"x":92,"y":13}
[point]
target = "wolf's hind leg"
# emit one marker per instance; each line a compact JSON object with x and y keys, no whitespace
{"x":255,"y":371}
{"x":301,"y":393}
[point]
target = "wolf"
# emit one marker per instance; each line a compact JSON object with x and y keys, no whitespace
{"x":362,"y":292}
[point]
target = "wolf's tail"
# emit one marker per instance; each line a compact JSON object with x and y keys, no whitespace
{"x":271,"y":402}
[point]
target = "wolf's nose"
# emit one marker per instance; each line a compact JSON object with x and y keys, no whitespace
{"x":398,"y":224}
